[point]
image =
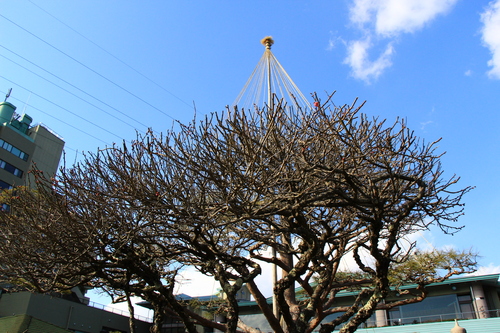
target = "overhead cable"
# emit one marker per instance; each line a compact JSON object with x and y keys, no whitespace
{"x":69,"y":92}
{"x":110,"y":54}
{"x":61,"y":107}
{"x":90,"y":69}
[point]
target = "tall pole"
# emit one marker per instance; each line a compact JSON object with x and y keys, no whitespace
{"x":268,"y":42}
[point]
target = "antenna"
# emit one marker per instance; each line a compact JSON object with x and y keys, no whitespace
{"x":26,"y":103}
{"x":8,"y":94}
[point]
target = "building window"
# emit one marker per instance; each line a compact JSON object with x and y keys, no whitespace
{"x":4,"y":185}
{"x":431,"y":309}
{"x":466,"y":307}
{"x":4,"y":208}
{"x":172,"y":325}
{"x":394,"y":315}
{"x":13,"y":150}
{"x":10,"y":168}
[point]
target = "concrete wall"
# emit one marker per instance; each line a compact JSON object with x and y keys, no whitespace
{"x":65,"y":314}
{"x":43,"y":147}
{"x":48,"y":150}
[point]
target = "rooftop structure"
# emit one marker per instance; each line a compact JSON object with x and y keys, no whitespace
{"x":24,"y":147}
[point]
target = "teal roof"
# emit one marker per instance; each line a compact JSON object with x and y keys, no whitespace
{"x":491,"y":279}
{"x":471,"y":278}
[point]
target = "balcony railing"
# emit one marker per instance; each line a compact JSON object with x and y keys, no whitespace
{"x":442,"y":317}
{"x":111,"y":309}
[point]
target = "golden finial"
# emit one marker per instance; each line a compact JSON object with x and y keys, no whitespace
{"x":267,"y":42}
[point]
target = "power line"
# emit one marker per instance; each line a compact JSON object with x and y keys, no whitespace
{"x":87,"y":67}
{"x":110,"y":54}
{"x":62,"y":121}
{"x":63,"y":108}
{"x":69,"y":92}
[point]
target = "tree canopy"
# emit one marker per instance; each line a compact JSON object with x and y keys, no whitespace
{"x":315,"y":186}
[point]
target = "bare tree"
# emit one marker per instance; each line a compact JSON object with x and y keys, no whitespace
{"x":316,"y":186}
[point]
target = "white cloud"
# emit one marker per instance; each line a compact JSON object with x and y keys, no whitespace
{"x":424,"y":124}
{"x":387,"y":19}
{"x":193,"y":283}
{"x":361,"y":12}
{"x":332,"y":42}
{"x":485,"y":270}
{"x":491,"y":36}
{"x":362,"y":67}
{"x":392,"y":17}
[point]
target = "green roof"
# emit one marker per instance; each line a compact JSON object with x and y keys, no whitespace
{"x":27,"y":324}
{"x":471,"y":278}
{"x":491,"y":279}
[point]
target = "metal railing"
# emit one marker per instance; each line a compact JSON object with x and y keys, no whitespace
{"x":110,"y":308}
{"x":442,"y":317}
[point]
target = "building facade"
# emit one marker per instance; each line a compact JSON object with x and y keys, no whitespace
{"x":65,"y":314}
{"x":472,"y":300}
{"x":24,"y":147}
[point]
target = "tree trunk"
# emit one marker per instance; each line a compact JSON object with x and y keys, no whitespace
{"x":131,"y":311}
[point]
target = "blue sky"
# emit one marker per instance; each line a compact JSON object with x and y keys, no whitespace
{"x":97,"y":71}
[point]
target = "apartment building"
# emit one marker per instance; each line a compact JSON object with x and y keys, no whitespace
{"x":24,"y":147}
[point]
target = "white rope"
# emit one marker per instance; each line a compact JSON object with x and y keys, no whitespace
{"x":270,"y":72}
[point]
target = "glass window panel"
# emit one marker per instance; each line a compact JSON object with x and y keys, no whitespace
{"x":15,"y":151}
{"x":4,"y":185}
{"x":431,"y":309}
{"x":10,"y":168}
{"x":4,"y":208}
{"x":467,"y":311}
{"x":464,"y":298}
{"x":18,"y":173}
